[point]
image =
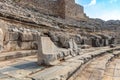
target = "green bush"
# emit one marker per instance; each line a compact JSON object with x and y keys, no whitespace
{"x":110,"y":51}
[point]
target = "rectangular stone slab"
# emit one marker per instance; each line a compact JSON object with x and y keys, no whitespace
{"x":47,"y":51}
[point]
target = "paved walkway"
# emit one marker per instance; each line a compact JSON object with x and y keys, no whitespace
{"x":101,"y":69}
{"x":112,"y":72}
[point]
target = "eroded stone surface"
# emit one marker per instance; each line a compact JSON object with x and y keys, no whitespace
{"x":101,"y":69}
{"x":65,"y":69}
{"x":27,"y":68}
{"x":1,"y":39}
{"x":50,"y":54}
{"x":22,"y":24}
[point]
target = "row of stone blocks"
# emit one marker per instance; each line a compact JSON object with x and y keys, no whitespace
{"x":17,"y":54}
{"x":14,"y":39}
{"x":18,"y":39}
{"x":50,"y":54}
{"x":94,"y":40}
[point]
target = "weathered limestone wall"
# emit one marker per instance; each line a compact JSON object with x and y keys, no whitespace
{"x":73,"y":10}
{"x":117,"y":38}
{"x":93,"y":40}
{"x":60,"y":8}
{"x":16,"y":37}
{"x":44,"y":6}
{"x":13,"y":38}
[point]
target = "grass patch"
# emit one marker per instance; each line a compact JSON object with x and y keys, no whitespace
{"x":111,"y":51}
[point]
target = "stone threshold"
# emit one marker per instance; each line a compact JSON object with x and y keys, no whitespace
{"x":16,"y":54}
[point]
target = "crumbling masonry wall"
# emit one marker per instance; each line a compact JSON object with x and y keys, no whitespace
{"x":59,"y":8}
{"x":44,"y":6}
{"x":73,"y":10}
{"x":17,"y":39}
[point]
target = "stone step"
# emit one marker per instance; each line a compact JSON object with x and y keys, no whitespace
{"x":112,"y":71}
{"x":95,"y":69}
{"x":66,"y":69}
{"x":27,"y":68}
{"x":16,"y":54}
{"x":99,"y":68}
{"x":17,"y":69}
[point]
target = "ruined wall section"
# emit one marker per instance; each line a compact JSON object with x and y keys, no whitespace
{"x":79,"y":12}
{"x":58,"y":8}
{"x":15,"y":37}
{"x":49,"y":7}
{"x":73,"y":10}
{"x":61,"y":8}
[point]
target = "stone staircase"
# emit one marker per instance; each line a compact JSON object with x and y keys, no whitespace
{"x":66,"y":69}
{"x":26,"y":68}
{"x":100,"y":68}
{"x":16,"y":54}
